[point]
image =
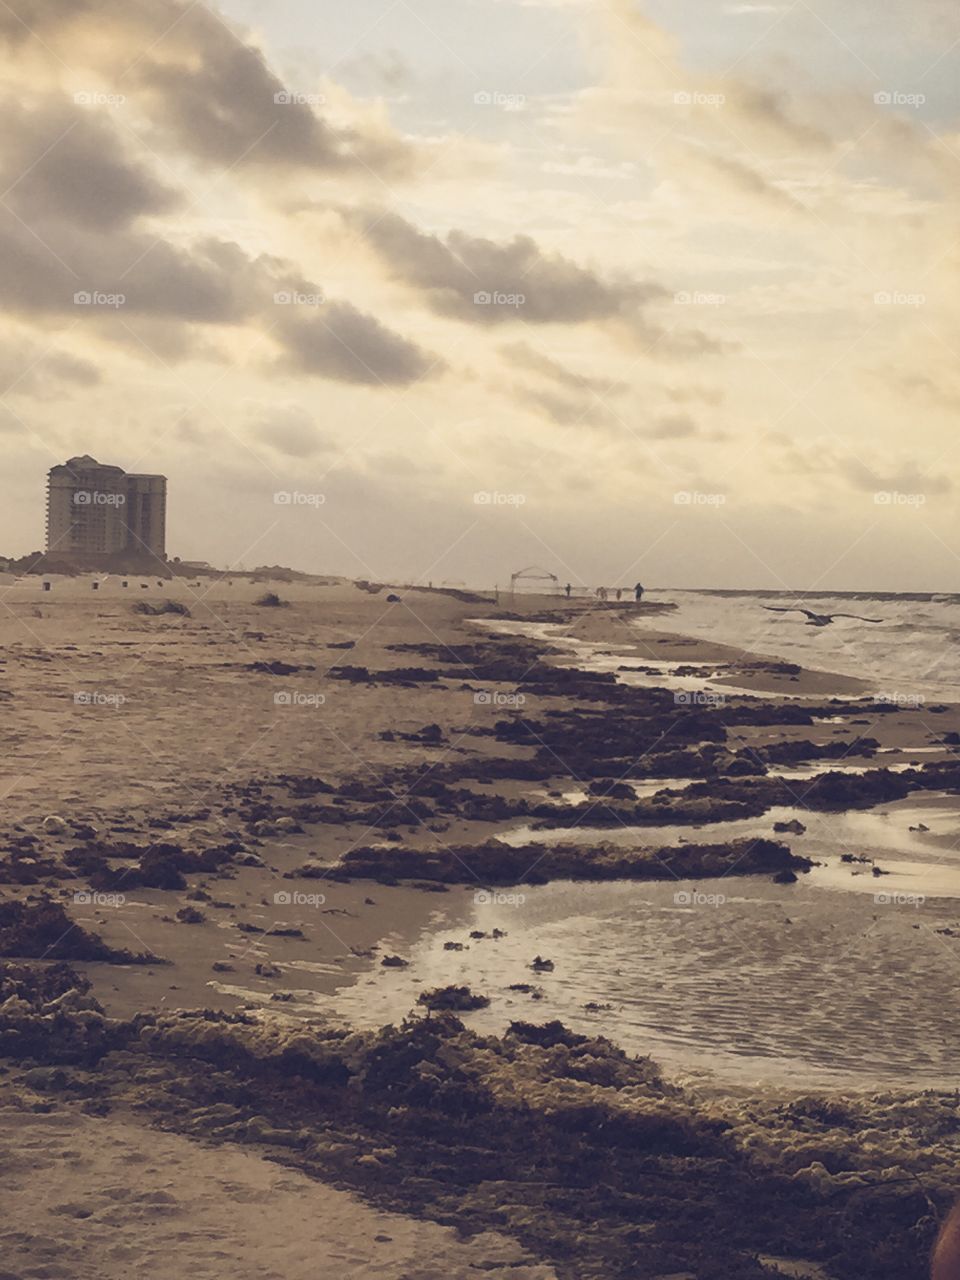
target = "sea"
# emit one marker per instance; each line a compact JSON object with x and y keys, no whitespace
{"x":913,"y":647}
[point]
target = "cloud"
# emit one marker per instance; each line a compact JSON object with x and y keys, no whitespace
{"x":677,"y":426}
{"x":490,"y":284}
{"x":734,"y":177}
{"x":907,"y":477}
{"x":832,"y":459}
{"x":63,"y":162}
{"x":565,"y":411}
{"x":29,"y":370}
{"x":289,"y":429}
{"x":771,"y":116}
{"x":207,"y":90}
{"x":338,"y":341}
{"x":529,"y":358}
{"x":929,"y":388}
{"x":45,"y":265}
{"x":487,"y":283}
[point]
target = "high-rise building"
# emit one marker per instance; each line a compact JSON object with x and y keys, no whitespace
{"x":100,"y":514}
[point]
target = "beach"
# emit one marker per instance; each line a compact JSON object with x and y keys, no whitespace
{"x":725,"y":880}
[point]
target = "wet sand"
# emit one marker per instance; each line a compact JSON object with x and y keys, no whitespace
{"x":89,"y":1198}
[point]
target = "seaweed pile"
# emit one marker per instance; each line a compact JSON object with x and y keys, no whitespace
{"x":496,"y":863}
{"x":587,"y":1156}
{"x":42,"y":930}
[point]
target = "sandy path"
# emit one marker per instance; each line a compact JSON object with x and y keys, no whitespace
{"x":93,"y":1199}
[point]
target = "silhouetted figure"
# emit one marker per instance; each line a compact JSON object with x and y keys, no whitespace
{"x":638,"y":592}
{"x":619,"y":592}
{"x":566,"y":590}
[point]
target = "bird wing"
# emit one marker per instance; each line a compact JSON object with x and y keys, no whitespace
{"x":858,"y":617}
{"x":775,"y":608}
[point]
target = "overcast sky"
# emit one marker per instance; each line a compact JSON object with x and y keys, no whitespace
{"x":436,"y":290}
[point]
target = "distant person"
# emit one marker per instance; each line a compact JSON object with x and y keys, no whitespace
{"x":567,"y":589}
{"x":601,"y":593}
{"x":619,"y":592}
{"x":638,"y":592}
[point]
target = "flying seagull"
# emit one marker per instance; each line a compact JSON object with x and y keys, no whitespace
{"x":819,"y":619}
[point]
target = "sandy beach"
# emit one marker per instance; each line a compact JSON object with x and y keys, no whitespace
{"x":305,"y":818}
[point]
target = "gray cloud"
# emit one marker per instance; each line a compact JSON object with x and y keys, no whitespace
{"x":42,"y":267}
{"x":678,"y":426}
{"x":205,"y":88}
{"x":905,"y":478}
{"x":928,"y":389}
{"x":832,"y":460}
{"x":529,"y":358}
{"x":290,"y":430}
{"x":338,"y":341}
{"x":565,"y":410}
{"x":451,"y":272}
{"x":770,"y":111}
{"x":740,"y":178}
{"x":62,"y":161}
{"x":32,"y":371}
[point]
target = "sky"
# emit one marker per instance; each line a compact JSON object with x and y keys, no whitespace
{"x":436,"y":290}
